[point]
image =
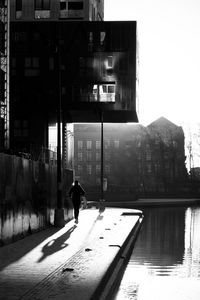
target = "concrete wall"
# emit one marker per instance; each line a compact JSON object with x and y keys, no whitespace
{"x":28,"y":196}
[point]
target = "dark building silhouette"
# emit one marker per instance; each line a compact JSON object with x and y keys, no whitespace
{"x":138,"y":160}
{"x":89,"y":67}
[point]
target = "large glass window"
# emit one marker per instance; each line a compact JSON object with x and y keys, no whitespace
{"x":42,"y":9}
{"x":98,"y":93}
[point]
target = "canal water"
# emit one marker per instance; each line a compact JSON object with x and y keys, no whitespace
{"x":165,"y":263}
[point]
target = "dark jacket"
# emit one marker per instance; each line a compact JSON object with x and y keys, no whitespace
{"x":76,"y":191}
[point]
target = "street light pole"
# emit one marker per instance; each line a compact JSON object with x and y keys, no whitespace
{"x":59,"y":220}
{"x":101,"y":204}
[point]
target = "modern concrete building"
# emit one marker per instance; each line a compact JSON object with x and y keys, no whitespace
{"x":87,"y":67}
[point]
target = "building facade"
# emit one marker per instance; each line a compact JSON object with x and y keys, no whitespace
{"x":137,"y":160}
{"x":38,"y":10}
{"x":29,"y":125}
{"x":58,"y":56}
{"x":4,"y":73}
{"x":92,"y":75}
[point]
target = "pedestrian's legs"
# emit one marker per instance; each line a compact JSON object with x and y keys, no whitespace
{"x":76,"y":211}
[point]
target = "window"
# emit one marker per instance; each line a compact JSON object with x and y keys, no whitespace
{"x":79,"y":169}
{"x":107,"y":144}
{"x":80,"y":156}
{"x":42,"y":9}
{"x":51,"y":63}
{"x":148,"y":152}
{"x":32,"y":62}
{"x":148,"y":155}
{"x":63,"y":90}
{"x":21,"y":128}
{"x":90,"y":42}
{"x":18,"y":6}
{"x":88,"y":156}
{"x":98,"y":169}
{"x":98,"y":145}
{"x":102,"y":93}
{"x":63,"y":5}
{"x":13,"y":66}
{"x":74,"y":10}
{"x":116,"y":144}
{"x":107,"y":169}
{"x":98,"y":181}
{"x":107,"y":93}
{"x":89,"y":144}
{"x":110,"y":61}
{"x":148,"y":168}
{"x":20,"y":36}
{"x":71,"y":9}
{"x":102,"y":37}
{"x":42,"y":4}
{"x":89,"y":169}
{"x":98,"y":156}
{"x":107,"y":156}
{"x":78,"y":5}
{"x":90,"y":37}
{"x":93,"y":13}
{"x":80,"y":144}
{"x":31,"y":66}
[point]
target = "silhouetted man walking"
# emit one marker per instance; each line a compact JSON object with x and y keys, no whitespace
{"x":76,"y":191}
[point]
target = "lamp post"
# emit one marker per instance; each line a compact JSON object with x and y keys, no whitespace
{"x":59,"y":220}
{"x":101,"y":203}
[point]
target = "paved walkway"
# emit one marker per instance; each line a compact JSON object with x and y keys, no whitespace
{"x":68,"y":263}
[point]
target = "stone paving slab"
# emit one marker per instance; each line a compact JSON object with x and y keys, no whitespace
{"x":75,"y":268}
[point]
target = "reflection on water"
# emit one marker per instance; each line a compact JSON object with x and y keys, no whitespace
{"x":165,"y":263}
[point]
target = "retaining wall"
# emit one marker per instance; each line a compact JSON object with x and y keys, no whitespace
{"x":28,"y":192}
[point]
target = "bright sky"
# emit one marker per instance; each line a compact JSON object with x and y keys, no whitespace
{"x":169,"y":54}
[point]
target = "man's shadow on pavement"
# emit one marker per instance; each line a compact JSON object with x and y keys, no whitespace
{"x":56,"y":245}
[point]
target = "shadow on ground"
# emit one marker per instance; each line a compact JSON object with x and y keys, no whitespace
{"x":56,"y":245}
{"x":15,"y":251}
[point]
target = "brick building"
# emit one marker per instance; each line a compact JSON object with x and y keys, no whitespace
{"x":137,"y":160}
